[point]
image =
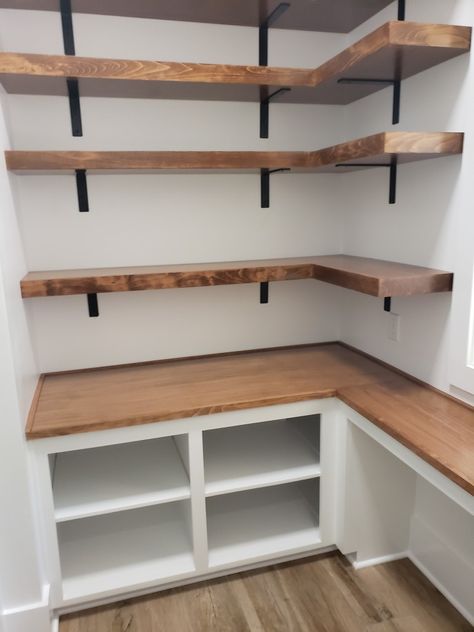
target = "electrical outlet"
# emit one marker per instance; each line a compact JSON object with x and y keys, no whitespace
{"x":394,"y":327}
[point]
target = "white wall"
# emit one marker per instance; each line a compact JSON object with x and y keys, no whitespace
{"x":21,"y":581}
{"x":430,"y":225}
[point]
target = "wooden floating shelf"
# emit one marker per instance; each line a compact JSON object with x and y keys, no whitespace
{"x":325,"y":15}
{"x":394,"y":51}
{"x":376,"y":149}
{"x":369,"y":276}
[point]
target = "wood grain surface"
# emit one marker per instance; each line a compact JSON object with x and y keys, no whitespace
{"x":377,"y":148}
{"x":396,"y":50}
{"x":318,"y":594}
{"x":437,"y":428}
{"x":324,"y":15}
{"x":369,"y":276}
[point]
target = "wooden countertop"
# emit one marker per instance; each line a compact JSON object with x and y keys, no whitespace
{"x":437,"y":428}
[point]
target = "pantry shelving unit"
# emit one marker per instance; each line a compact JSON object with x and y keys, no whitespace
{"x":124,"y":510}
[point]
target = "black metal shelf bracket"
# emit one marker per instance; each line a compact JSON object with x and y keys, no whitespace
{"x":401,"y":10}
{"x":263,"y":61}
{"x":82,"y":195}
{"x":264,"y":292}
{"x":93,"y":305}
{"x":397,"y":89}
{"x":393,"y":166}
{"x":387,"y":304}
{"x":72,"y":84}
{"x":264,"y":110}
{"x":265,"y":185}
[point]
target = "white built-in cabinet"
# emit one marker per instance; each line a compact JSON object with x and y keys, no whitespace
{"x":128,"y":509}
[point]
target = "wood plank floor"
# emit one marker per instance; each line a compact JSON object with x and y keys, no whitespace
{"x":317,"y":594}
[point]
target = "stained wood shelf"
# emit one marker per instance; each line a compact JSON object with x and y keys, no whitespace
{"x":434,"y":426}
{"x":326,"y":15}
{"x":369,"y":276}
{"x":394,"y":51}
{"x":376,"y":149}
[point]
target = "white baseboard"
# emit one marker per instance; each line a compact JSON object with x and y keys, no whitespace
{"x":469,"y":616}
{"x":374,"y":561}
{"x":33,"y":616}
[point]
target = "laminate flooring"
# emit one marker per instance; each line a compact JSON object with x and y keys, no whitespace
{"x":319,"y":594}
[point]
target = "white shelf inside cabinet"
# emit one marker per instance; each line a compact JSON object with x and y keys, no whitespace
{"x":124,"y":550}
{"x":259,"y":523}
{"x":112,"y":478}
{"x":258,"y":455}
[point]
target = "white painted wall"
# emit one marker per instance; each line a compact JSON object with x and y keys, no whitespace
{"x":431,"y":224}
{"x":21,"y":582}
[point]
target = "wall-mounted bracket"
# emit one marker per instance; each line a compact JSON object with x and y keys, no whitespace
{"x":263,"y":61}
{"x":265,"y":185}
{"x":264,"y":293}
{"x":82,"y":195}
{"x":72,"y":84}
{"x":397,"y":89}
{"x":392,"y":195}
{"x":93,"y":305}
{"x":387,"y":304}
{"x":401,"y":10}
{"x":264,"y":110}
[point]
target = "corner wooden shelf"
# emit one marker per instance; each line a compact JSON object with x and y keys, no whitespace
{"x":377,"y":149}
{"x":437,"y":428}
{"x":325,"y":15}
{"x":368,"y":276}
{"x":394,"y":51}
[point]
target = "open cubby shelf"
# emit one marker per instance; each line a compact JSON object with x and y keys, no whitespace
{"x":368,"y":276}
{"x":263,"y":522}
{"x":261,"y":455}
{"x":124,"y":549}
{"x":325,"y":15}
{"x":104,"y":480}
{"x":379,"y":148}
{"x":394,"y":51}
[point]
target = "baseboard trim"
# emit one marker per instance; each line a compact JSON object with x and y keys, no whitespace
{"x":442,"y":589}
{"x":375,"y":561}
{"x":33,"y":616}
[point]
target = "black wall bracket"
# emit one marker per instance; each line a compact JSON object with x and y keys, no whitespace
{"x":82,"y":195}
{"x":264,"y":110}
{"x":263,"y":61}
{"x":72,"y":84}
{"x":264,"y":293}
{"x":93,"y":305}
{"x":265,"y":185}
{"x":396,"y":83}
{"x":393,"y":166}
{"x":401,"y":10}
{"x":387,"y":304}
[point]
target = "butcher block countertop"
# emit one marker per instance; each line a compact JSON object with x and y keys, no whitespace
{"x":436,"y":427}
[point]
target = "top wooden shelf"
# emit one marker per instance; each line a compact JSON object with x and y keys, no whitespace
{"x":394,"y":51}
{"x":324,"y":15}
{"x":376,"y":149}
{"x":436,"y":428}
